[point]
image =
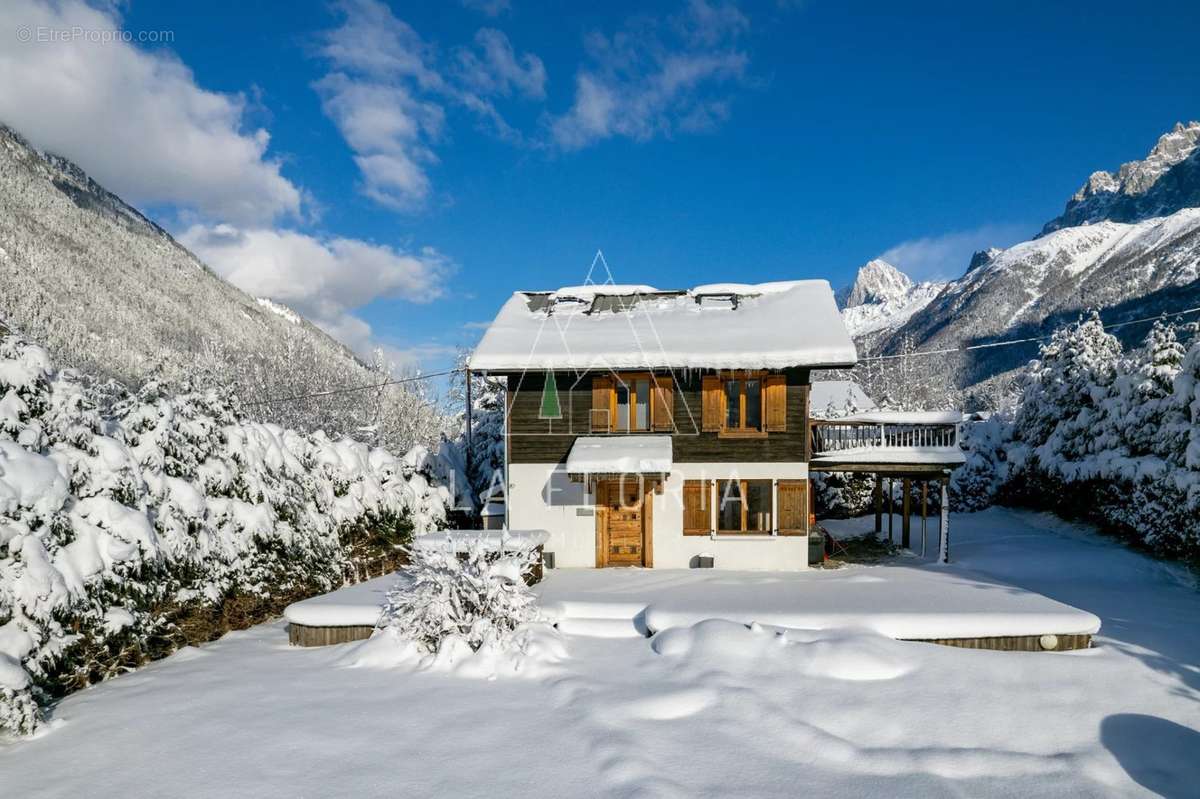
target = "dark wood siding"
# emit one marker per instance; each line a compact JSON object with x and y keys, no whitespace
{"x":535,"y":440}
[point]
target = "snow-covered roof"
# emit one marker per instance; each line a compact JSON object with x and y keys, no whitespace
{"x":838,"y":395}
{"x":718,"y":326}
{"x":905,"y":417}
{"x":620,"y":455}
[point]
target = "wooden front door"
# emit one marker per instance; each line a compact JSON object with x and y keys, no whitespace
{"x":621,"y":523}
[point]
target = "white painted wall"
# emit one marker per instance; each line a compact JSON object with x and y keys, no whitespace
{"x":541,"y":496}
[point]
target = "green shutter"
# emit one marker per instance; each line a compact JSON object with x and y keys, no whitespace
{"x":550,"y":408}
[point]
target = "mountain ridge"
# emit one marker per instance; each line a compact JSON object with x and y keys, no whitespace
{"x":1165,"y":181}
{"x":111,"y":293}
{"x":1135,"y":265}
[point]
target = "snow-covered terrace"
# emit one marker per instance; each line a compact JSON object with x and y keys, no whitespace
{"x":906,"y":602}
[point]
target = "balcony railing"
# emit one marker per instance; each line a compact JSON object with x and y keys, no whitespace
{"x":831,"y":436}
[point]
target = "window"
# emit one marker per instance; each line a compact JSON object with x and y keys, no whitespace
{"x":752,"y":409}
{"x":745,"y":403}
{"x":622,"y":407}
{"x":634,"y":402}
{"x":745,"y":506}
{"x":641,"y":413}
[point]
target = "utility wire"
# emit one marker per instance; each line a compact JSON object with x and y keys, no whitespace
{"x":350,"y":389}
{"x":1010,"y":342}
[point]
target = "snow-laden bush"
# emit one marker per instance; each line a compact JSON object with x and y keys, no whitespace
{"x":133,"y":523}
{"x":1113,"y":436}
{"x":976,"y":484}
{"x":461,"y":594}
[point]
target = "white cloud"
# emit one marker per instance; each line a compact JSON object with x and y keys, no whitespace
{"x":388,"y":129}
{"x":497,"y":69}
{"x":325,"y":280}
{"x":388,"y":90}
{"x":656,"y":77}
{"x":946,"y":256}
{"x":135,"y":120}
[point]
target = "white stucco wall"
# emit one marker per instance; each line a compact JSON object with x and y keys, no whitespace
{"x":542,"y":498}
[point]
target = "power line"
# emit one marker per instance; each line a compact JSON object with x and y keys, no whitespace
{"x":1010,"y":342}
{"x":351,"y":389}
{"x":399,"y":381}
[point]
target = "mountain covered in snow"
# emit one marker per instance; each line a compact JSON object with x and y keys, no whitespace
{"x":1165,"y":181}
{"x":1127,"y":244}
{"x":111,"y":293}
{"x":882,"y":298}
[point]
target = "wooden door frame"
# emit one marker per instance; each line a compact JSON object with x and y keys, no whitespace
{"x":600,"y":492}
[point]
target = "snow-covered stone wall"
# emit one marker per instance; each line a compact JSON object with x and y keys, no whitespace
{"x":117,"y":510}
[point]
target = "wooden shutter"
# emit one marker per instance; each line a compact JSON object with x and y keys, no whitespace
{"x":713,"y":404}
{"x":662,"y":397}
{"x":600,"y":418}
{"x":776,"y":401}
{"x":791,"y":502}
{"x":697,"y":516}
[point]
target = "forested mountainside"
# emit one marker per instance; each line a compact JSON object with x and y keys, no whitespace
{"x":111,"y":293}
{"x":1127,"y":244}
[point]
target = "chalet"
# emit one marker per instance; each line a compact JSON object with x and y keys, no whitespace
{"x":671,"y":428}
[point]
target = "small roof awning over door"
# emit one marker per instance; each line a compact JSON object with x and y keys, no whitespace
{"x":640,"y":454}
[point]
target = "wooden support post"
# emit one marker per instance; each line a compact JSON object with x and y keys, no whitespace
{"x":906,"y":506}
{"x":944,"y":526}
{"x":891,"y":510}
{"x":878,"y":497}
{"x":924,"y":513}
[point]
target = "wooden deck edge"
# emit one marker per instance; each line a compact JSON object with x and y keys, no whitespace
{"x":305,"y":635}
{"x":1017,"y":643}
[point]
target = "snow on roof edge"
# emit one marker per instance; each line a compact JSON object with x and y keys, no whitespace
{"x":517,"y":338}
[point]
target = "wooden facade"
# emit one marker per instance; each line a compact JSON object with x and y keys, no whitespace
{"x":538,"y":440}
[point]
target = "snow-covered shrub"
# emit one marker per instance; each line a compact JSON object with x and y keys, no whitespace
{"x":133,"y":523}
{"x":1112,"y":436}
{"x":455,"y":595}
{"x":975,"y":485}
{"x":843,"y":495}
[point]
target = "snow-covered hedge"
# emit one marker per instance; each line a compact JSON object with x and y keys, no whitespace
{"x":123,"y":516}
{"x":1113,"y":436}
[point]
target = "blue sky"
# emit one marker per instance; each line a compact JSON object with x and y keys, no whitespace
{"x":394,"y":173}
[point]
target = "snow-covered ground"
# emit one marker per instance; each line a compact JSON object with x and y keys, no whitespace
{"x":711,"y":710}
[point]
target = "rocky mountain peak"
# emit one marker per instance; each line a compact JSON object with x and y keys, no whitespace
{"x":983,"y":258}
{"x":877,"y":281}
{"x":1162,"y":183}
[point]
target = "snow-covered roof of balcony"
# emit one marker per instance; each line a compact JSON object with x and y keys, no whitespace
{"x":832,"y":398}
{"x":620,"y":455}
{"x":716,"y":326}
{"x":904,"y":417}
